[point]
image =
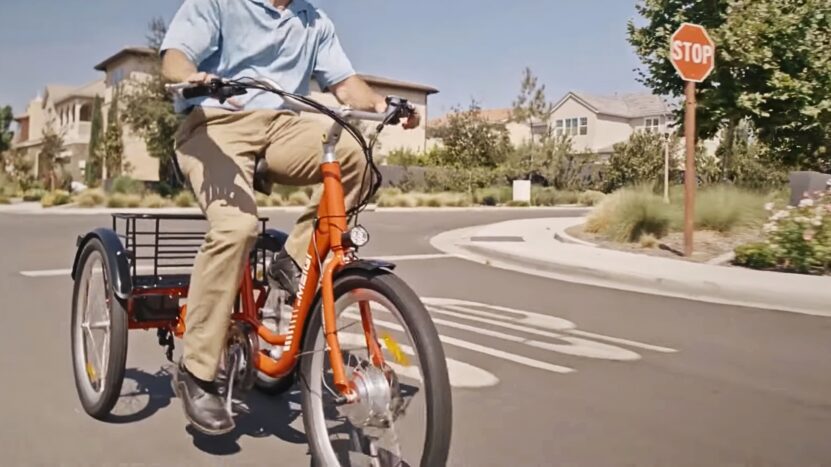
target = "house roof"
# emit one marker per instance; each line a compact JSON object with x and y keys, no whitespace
{"x":381,"y":81}
{"x":89,"y":90}
{"x":56,"y":92}
{"x":125,"y":52}
{"x":489,"y":115}
{"x":634,"y":105}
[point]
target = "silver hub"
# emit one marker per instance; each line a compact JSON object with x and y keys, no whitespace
{"x":372,"y":409}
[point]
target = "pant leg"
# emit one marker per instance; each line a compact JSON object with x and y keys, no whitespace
{"x":294,"y":156}
{"x":216,"y":150}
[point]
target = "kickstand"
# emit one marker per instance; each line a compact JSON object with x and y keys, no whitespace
{"x":166,"y":340}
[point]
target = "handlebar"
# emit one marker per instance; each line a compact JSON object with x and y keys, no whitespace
{"x":223,"y":90}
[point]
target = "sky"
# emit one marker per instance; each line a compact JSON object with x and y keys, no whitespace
{"x":468,"y":49}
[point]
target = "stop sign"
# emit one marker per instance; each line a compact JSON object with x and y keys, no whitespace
{"x":692,"y":52}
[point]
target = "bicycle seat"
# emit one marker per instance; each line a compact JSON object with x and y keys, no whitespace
{"x":262,"y":183}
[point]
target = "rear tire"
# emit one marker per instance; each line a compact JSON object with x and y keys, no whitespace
{"x":97,"y":312}
{"x":425,"y":346}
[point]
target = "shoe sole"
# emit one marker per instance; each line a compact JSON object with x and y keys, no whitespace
{"x":181,"y":392}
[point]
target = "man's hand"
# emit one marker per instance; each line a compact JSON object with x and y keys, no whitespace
{"x":201,"y":78}
{"x":412,"y":121}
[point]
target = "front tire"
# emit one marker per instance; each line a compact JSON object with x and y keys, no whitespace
{"x":99,"y":333}
{"x":398,"y":311}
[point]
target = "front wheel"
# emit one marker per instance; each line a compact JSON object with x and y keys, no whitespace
{"x":404,"y":414}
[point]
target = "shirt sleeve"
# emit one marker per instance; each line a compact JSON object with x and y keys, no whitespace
{"x":194,"y":30}
{"x":331,"y":65}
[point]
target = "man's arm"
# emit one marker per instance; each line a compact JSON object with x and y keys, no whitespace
{"x":355,"y":93}
{"x":177,"y":68}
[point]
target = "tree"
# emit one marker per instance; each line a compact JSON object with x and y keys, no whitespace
{"x":640,"y":160}
{"x":6,"y":136}
{"x":471,"y":141}
{"x":49,"y":156}
{"x":531,"y":106}
{"x":773,"y":67}
{"x":148,"y":109}
{"x":93,"y":168}
{"x":111,"y":149}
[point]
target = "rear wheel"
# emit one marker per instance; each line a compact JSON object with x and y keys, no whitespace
{"x":99,"y":333}
{"x":404,"y":413}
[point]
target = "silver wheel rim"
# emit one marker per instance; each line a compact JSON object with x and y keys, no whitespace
{"x":92,"y":327}
{"x":403,"y":444}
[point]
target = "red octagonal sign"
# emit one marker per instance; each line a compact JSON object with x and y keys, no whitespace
{"x":692,"y":52}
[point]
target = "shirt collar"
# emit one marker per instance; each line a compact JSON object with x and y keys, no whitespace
{"x":296,"y":6}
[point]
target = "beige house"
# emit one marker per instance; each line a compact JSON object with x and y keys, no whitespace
{"x":594,"y":123}
{"x":68,"y":110}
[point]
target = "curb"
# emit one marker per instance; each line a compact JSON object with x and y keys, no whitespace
{"x":811,"y":299}
{"x":565,"y":237}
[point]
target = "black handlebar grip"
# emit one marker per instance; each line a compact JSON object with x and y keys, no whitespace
{"x":196,"y":91}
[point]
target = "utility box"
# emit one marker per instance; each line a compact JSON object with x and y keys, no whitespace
{"x":805,"y":182}
{"x":522,"y":191}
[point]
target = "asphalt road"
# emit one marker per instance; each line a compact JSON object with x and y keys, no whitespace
{"x":627,"y":380}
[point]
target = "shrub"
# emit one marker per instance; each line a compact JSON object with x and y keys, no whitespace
{"x":590,"y":198}
{"x":121,"y":200}
{"x":262,"y":200}
{"x":276,"y":199}
{"x":800,"y":238}
{"x":55,"y":198}
{"x":518,"y":204}
{"x":493,"y":196}
{"x":8,"y":187}
{"x":184,"y":199}
{"x":33,"y":194}
{"x":630,"y":213}
{"x":127,"y":186}
{"x":724,"y":208}
{"x":91,"y":198}
{"x":4,"y":199}
{"x":155,"y":201}
{"x":648,"y":241}
{"x":392,"y":200}
{"x":553,"y":197}
{"x":755,"y":255}
{"x":299,"y":198}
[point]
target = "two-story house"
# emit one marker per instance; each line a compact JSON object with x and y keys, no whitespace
{"x":68,"y":110}
{"x":594,"y":123}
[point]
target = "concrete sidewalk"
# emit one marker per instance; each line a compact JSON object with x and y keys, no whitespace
{"x":532,"y":246}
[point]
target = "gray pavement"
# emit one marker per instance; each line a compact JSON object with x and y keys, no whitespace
{"x":577,"y":375}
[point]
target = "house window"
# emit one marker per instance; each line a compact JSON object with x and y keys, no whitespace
{"x":572,"y":126}
{"x":652,"y":125}
{"x":116,"y":76}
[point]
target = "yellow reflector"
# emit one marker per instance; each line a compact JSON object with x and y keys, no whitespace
{"x":91,"y":372}
{"x":397,"y":354}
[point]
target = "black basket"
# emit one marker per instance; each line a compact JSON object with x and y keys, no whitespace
{"x":161,"y":247}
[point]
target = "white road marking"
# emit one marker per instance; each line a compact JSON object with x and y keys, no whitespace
{"x":479,"y":348}
{"x":617,"y":340}
{"x":577,"y":347}
{"x":47,"y":273}
{"x":462,"y":375}
{"x":414,"y":257}
{"x":68,"y":271}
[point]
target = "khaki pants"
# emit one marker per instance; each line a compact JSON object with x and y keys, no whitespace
{"x":216,"y":150}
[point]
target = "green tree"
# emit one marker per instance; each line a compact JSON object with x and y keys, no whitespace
{"x":531,"y":106}
{"x":773,"y":67}
{"x":148,"y":109}
{"x":469,"y":140}
{"x":640,"y":160}
{"x":92,"y":173}
{"x":49,"y":156}
{"x":6,"y":136}
{"x":111,"y":148}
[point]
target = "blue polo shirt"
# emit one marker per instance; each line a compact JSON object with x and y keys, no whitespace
{"x":251,"y":38}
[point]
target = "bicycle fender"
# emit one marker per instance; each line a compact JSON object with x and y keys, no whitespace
{"x":117,"y":261}
{"x":366,"y":265}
